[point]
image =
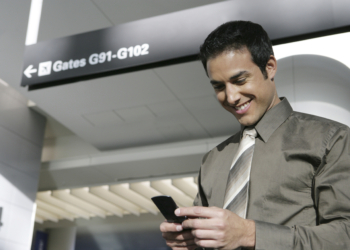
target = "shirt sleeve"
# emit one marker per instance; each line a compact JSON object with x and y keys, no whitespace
{"x":331,"y":195}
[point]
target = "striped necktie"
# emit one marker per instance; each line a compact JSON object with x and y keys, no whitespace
{"x":236,"y":195}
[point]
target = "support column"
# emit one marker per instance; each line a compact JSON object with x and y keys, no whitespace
{"x":62,"y":238}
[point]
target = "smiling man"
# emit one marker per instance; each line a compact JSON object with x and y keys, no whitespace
{"x":283,"y":181}
{"x":240,"y":86}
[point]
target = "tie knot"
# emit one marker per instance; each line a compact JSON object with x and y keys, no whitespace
{"x":250,"y":132}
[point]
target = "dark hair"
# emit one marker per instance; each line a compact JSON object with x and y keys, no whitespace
{"x":236,"y":35}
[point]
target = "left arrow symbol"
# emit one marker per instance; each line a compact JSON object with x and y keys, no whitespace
{"x":29,"y":71}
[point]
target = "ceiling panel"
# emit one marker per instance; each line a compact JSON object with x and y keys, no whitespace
{"x":66,"y":17}
{"x":176,"y":113}
{"x":186,"y":80}
{"x":170,"y":108}
{"x":216,"y":120}
{"x":174,"y":132}
{"x":126,"y":11}
{"x":140,"y":113}
{"x":103,"y":119}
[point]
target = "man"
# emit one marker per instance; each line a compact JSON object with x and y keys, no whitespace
{"x":296,"y":194}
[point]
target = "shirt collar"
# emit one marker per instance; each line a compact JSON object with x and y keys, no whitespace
{"x":273,"y":118}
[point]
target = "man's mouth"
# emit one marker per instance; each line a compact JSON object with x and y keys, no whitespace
{"x":242,"y":106}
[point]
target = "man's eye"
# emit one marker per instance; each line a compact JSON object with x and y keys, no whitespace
{"x":218,"y":86}
{"x":241,"y":80}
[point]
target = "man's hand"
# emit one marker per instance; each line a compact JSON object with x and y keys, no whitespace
{"x":216,"y":228}
{"x":176,"y":237}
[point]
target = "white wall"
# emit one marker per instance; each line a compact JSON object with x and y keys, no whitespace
{"x":21,"y":136}
{"x":316,"y":85}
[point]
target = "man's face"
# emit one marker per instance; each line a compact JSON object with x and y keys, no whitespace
{"x":240,"y":86}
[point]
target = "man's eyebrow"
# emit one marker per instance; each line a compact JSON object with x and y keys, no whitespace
{"x":238,"y":74}
{"x":213,"y":82}
{"x":243,"y":72}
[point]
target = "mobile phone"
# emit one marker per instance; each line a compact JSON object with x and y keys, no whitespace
{"x":167,"y":207}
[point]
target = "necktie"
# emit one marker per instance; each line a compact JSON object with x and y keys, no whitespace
{"x":236,"y":195}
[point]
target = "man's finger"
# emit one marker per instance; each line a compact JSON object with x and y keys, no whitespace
{"x":206,"y":243}
{"x":205,"y":234}
{"x":184,"y":235}
{"x":194,"y":247}
{"x":183,"y":243}
{"x":170,"y":227}
{"x":197,"y":224}
{"x":204,"y":212}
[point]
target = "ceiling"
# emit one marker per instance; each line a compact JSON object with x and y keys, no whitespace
{"x":148,"y":107}
{"x":107,"y":200}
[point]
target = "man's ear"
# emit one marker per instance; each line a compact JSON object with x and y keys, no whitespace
{"x":271,"y":68}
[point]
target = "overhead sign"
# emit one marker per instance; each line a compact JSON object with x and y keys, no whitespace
{"x":168,"y":39}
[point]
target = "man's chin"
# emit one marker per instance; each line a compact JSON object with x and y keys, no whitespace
{"x":247,"y":123}
{"x":246,"y":119}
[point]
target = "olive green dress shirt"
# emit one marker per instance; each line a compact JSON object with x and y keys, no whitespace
{"x":299,"y":194}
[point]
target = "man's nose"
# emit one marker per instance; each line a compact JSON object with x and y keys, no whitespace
{"x":232,"y":94}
